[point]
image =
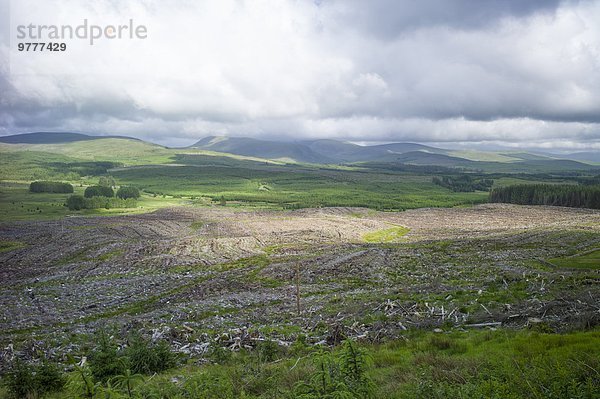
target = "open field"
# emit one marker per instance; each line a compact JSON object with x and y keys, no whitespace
{"x":17,"y":203}
{"x":298,"y":187}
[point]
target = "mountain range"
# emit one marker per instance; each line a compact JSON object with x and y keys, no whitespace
{"x":315,"y":151}
{"x":328,"y":151}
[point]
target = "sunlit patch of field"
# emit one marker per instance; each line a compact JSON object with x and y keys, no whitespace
{"x":589,"y":260}
{"x":386,"y":235}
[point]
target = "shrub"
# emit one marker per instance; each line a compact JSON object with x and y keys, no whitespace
{"x":19,"y":380}
{"x":50,"y":187}
{"x":49,"y":378}
{"x":75,"y":202}
{"x":214,"y":384}
{"x":354,"y":364}
{"x":127,"y":381}
{"x":300,"y":346}
{"x":99,"y":191}
{"x":342,"y":376}
{"x":126,"y":192}
{"x":105,"y":360}
{"x":146,"y":357}
{"x":219,"y":355}
{"x":25,"y":381}
{"x":82,"y":381}
{"x":108,"y":203}
{"x":267,"y":351}
{"x":107,"y":181}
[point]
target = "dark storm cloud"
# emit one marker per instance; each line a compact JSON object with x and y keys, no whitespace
{"x":459,"y":70}
{"x":31,"y":112}
{"x":390,"y":18}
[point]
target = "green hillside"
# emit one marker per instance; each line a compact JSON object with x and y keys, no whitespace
{"x":195,"y":176}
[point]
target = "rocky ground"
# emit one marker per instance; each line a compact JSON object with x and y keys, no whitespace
{"x":200,"y":275}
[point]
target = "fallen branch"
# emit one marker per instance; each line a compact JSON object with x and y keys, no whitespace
{"x":480,"y":325}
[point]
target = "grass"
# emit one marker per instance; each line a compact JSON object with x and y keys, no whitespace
{"x":288,"y":188}
{"x":589,"y":260}
{"x":109,"y":255}
{"x":28,"y":165}
{"x":170,"y":178}
{"x":483,"y":156}
{"x":458,"y":364}
{"x":488,"y":364}
{"x":197,"y":225}
{"x":297,"y":187}
{"x":129,"y":152}
{"x":386,"y":235}
{"x":126,"y":151}
{"x":7,"y":246}
{"x":17,"y":203}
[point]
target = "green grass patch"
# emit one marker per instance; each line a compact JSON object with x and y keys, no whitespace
{"x":386,"y":235}
{"x":7,"y":246}
{"x":589,"y":260}
{"x":109,"y":255}
{"x":197,"y":225}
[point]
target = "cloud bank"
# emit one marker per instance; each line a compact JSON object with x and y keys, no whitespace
{"x":508,"y":72}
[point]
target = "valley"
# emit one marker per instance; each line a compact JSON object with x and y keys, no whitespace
{"x":252,"y":266}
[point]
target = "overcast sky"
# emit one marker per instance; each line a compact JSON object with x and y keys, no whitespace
{"x":507,"y":72}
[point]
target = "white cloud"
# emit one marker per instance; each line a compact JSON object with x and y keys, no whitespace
{"x":303,"y":69}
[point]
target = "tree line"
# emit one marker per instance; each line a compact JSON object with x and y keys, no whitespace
{"x":102,"y":195}
{"x":98,"y":196}
{"x":463,"y":183}
{"x":571,"y":195}
{"x":50,"y":187}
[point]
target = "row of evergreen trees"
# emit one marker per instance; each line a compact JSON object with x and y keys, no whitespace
{"x":577,"y":196}
{"x":463,"y":183}
{"x":50,"y":187}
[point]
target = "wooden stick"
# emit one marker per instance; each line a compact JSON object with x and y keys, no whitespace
{"x":298,"y":288}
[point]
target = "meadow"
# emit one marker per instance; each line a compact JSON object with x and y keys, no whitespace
{"x":171,"y":176}
{"x":297,"y":187}
{"x":167,"y":177}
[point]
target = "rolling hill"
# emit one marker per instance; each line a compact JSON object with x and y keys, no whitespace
{"x":533,"y":165}
{"x":316,"y":151}
{"x":348,"y":152}
{"x":53,"y":138}
{"x":132,"y":151}
{"x":262,"y":149}
{"x":584,"y":156}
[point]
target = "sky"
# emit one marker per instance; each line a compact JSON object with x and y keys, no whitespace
{"x":472,"y":73}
